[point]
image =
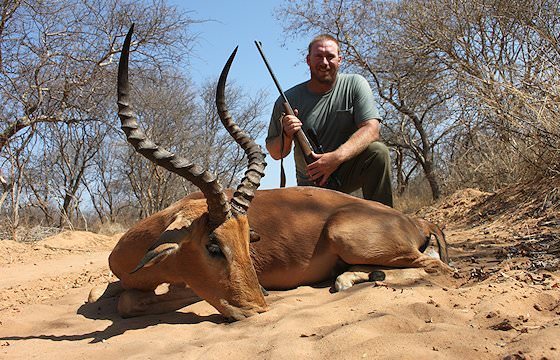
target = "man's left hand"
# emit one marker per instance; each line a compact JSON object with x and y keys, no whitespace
{"x":321,"y":169}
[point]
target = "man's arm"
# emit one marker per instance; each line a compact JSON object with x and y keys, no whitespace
{"x":368,"y":132}
{"x":320,"y":170}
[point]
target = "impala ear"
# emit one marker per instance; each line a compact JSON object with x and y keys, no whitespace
{"x":167,"y":244}
{"x":156,"y":255}
{"x":176,"y":232}
{"x":181,"y":221}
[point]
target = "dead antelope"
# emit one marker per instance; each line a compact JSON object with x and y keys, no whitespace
{"x":201,"y":243}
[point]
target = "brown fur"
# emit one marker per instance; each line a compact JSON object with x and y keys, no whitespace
{"x":229,"y":284}
{"x":304,"y":233}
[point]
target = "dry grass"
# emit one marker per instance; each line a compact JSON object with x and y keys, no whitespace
{"x":110,"y":229}
{"x":28,"y":234}
{"x":415,"y":197}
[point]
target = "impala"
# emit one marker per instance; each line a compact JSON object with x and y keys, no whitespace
{"x":225,"y":247}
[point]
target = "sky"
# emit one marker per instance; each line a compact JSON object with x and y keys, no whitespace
{"x":231,"y":25}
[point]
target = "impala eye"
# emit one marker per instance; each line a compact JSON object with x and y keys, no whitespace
{"x":214,"y":249}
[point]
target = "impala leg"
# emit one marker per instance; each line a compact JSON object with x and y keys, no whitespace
{"x":402,"y":271}
{"x":381,"y":276}
{"x":357,"y":274}
{"x":431,"y":265}
{"x":361,"y":235}
{"x":411,"y":258}
{"x":137,"y":303}
{"x":105,"y":291}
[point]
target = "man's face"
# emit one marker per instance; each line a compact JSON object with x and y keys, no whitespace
{"x":323,"y":61}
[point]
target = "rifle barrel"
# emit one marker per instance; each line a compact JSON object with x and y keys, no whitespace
{"x":302,"y":139}
{"x":276,"y":82}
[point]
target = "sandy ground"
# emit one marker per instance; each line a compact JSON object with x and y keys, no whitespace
{"x":502,"y":303}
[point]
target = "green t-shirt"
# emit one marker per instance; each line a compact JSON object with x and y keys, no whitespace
{"x":334,"y":115}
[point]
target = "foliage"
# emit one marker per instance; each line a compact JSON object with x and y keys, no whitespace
{"x":63,"y":160}
{"x":469,"y":88}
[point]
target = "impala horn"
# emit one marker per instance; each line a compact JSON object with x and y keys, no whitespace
{"x":218,"y":206}
{"x":255,"y":169}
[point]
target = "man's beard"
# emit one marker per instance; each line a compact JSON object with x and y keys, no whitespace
{"x":324,"y":78}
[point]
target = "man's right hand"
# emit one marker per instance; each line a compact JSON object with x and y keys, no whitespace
{"x":291,"y":124}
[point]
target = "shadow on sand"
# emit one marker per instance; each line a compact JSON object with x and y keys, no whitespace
{"x":106,"y":309}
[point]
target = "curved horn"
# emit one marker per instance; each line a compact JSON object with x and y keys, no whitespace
{"x":218,"y":206}
{"x":255,"y":169}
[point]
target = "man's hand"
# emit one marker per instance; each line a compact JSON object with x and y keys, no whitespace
{"x":321,"y":169}
{"x":281,"y":145}
{"x":291,"y":124}
{"x":325,"y":164}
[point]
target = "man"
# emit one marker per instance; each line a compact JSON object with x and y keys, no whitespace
{"x":342,"y":111}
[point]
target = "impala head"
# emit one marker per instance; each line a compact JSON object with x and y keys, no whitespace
{"x":217,"y":265}
{"x":206,"y":246}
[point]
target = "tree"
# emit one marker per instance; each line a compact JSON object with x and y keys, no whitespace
{"x":220,"y":153}
{"x":187,"y":124}
{"x":410,"y":86}
{"x":57,"y":70}
{"x":61,"y":156}
{"x":460,"y":81}
{"x":506,"y":55}
{"x":14,"y":184}
{"x":166,"y":110}
{"x":105,"y":182}
{"x":57,"y":56}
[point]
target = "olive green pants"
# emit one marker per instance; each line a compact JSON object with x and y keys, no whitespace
{"x":370,"y":171}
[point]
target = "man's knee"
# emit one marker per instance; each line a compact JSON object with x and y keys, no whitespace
{"x":377,"y":174}
{"x":378,"y":153}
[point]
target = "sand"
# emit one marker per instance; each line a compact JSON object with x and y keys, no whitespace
{"x":502,"y":303}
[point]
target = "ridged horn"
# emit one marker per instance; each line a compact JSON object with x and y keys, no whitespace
{"x":255,"y":169}
{"x":218,"y":206}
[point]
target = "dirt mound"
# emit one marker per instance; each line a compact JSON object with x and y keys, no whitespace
{"x":517,"y":227}
{"x":67,"y":260}
{"x":55,"y":246}
{"x":456,"y":208}
{"x":81,"y":241}
{"x":12,"y":251}
{"x":534,"y":204}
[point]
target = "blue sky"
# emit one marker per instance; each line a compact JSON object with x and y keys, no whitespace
{"x":235,"y":24}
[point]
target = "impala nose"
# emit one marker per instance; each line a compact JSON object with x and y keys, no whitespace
{"x":235,"y":313}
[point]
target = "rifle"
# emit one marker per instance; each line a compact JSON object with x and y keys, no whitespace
{"x":306,"y":146}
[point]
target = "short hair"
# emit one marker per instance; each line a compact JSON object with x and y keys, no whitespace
{"x":322,"y":37}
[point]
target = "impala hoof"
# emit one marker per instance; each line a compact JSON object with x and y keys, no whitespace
{"x":342,"y":283}
{"x":95,"y":294}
